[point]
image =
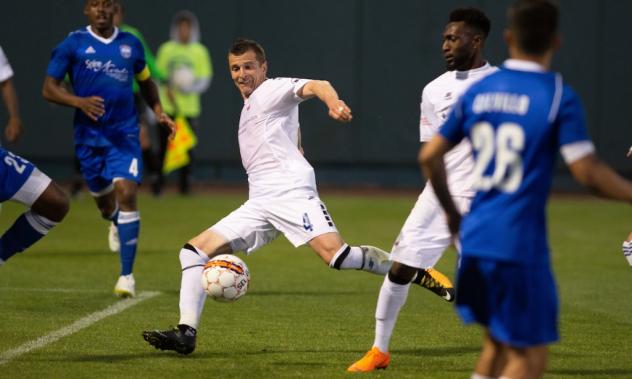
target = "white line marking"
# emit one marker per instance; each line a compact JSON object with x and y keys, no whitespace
{"x":76,"y":326}
{"x":63,"y":290}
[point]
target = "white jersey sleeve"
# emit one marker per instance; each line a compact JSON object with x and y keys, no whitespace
{"x":429,"y":123}
{"x":282,"y":94}
{"x":5,"y":68}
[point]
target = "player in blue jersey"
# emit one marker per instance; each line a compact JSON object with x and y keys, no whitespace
{"x":516,"y":120}
{"x":21,"y":181}
{"x":102,"y":63}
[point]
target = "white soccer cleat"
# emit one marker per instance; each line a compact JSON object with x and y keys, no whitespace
{"x":125,"y":286}
{"x":375,"y":260}
{"x":113,"y":239}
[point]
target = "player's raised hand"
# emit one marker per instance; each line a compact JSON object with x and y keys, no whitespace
{"x":339,"y":111}
{"x":13,"y":131}
{"x":92,"y":106}
{"x":168,"y":123}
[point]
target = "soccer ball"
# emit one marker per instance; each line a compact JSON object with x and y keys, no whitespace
{"x":225,"y":278}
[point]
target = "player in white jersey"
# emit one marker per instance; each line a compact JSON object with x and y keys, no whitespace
{"x":425,"y":234}
{"x":282,"y":199}
{"x":13,"y":130}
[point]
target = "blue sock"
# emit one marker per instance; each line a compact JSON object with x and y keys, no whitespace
{"x":128,"y":229}
{"x":25,"y":231}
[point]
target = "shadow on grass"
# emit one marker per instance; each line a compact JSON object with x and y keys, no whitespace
{"x":588,"y":373}
{"x":210,"y":354}
{"x":304,"y":293}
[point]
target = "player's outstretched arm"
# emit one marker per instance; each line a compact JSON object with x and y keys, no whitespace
{"x":14,"y":127}
{"x":150,"y":93}
{"x":601,"y":179}
{"x":431,"y":160}
{"x":323,"y":90}
{"x":54,"y":91}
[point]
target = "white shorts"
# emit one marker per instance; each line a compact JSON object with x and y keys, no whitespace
{"x":425,"y":234}
{"x":32,"y":188}
{"x":259,"y":221}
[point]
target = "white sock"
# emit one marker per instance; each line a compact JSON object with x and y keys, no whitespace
{"x":192,"y":295}
{"x":347,"y":258}
{"x":627,"y":251}
{"x":391,"y":299}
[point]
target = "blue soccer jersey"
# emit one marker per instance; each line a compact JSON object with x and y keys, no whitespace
{"x":516,"y":119}
{"x":105,"y":68}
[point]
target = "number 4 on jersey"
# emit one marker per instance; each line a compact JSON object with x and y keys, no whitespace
{"x":505,"y":145}
{"x":133,"y":167}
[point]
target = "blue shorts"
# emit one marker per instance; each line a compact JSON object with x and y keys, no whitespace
{"x":14,"y":171}
{"x":517,"y":303}
{"x":102,"y":165}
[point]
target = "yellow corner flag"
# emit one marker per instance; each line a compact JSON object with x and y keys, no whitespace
{"x":177,"y":154}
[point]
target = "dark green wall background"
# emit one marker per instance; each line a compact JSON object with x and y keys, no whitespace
{"x":378,"y":54}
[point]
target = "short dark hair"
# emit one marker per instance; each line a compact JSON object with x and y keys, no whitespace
{"x":473,"y":18}
{"x":242,"y":45}
{"x":534,"y":24}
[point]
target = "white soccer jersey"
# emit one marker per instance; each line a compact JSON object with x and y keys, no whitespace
{"x":5,"y":68}
{"x":268,"y":140}
{"x":437,"y":100}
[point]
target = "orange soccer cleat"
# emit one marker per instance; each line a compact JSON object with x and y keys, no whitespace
{"x":372,"y":360}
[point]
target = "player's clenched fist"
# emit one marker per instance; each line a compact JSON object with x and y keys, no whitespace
{"x":339,"y":111}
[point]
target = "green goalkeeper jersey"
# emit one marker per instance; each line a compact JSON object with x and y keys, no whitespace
{"x":173,"y":56}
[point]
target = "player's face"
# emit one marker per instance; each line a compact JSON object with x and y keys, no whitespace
{"x":100,"y":13}
{"x":459,"y":46}
{"x":246,"y":71}
{"x":184,"y":31}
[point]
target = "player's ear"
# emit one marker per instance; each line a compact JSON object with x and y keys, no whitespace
{"x":264,"y":67}
{"x":508,"y":37}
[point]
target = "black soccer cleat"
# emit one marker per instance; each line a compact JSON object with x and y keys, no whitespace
{"x":180,"y":339}
{"x":436,"y":282}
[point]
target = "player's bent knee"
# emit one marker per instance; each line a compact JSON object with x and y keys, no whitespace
{"x":53,"y":203}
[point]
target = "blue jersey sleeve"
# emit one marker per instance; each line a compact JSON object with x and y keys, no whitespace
{"x":453,"y":129}
{"x":139,"y":63}
{"x":570,"y":121}
{"x":61,"y":59}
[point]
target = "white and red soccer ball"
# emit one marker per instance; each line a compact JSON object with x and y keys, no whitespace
{"x":225,"y":278}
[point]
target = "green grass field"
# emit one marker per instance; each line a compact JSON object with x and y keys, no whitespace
{"x":299,"y":317}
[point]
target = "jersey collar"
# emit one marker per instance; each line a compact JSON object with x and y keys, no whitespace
{"x":522,"y":65}
{"x":106,"y":41}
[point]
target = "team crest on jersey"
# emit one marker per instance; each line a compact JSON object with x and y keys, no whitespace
{"x":126,"y":51}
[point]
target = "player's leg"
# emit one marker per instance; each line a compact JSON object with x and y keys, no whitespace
{"x":193,"y":257}
{"x":391,"y":299}
{"x":305,"y":220}
{"x":492,"y":359}
{"x":92,"y":162}
{"x":525,"y":363}
{"x":47,"y":201}
{"x":245,"y":229}
{"x":128,"y":227}
{"x":627,"y":248}
{"x":163,"y":141}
